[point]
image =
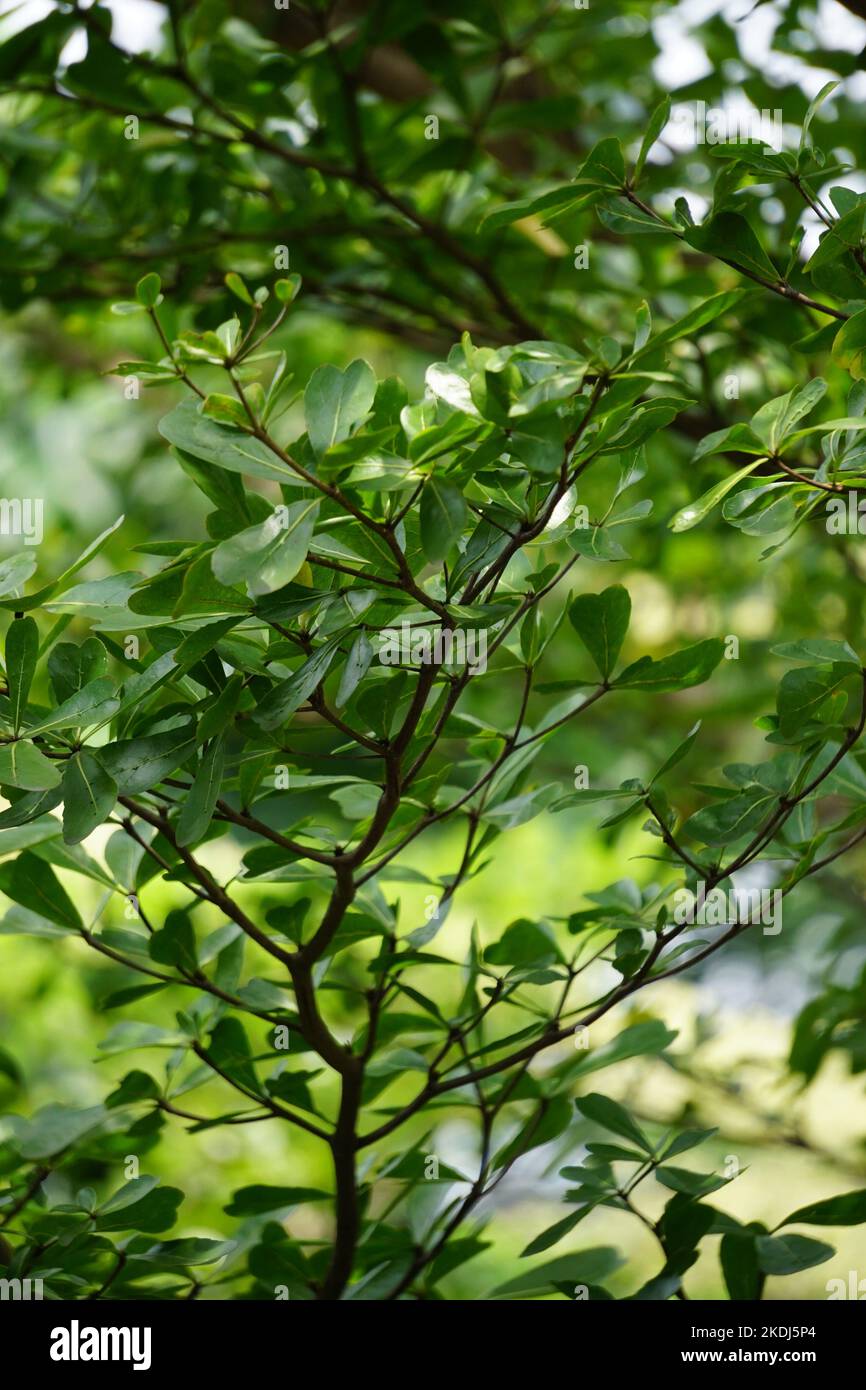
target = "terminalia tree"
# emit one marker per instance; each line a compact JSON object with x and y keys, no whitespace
{"x":417,"y":172}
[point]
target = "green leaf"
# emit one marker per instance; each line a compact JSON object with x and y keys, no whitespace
{"x":30,"y":807}
{"x":610,"y":1115}
{"x":452,"y":1256}
{"x":153,"y":1211}
{"x":22,"y":648}
{"x":684,"y":1180}
{"x":546,"y":207}
{"x":601,"y":622}
{"x":623,"y":216}
{"x":604,"y":166}
{"x":193,"y":432}
{"x":791,"y":1254}
{"x":523,"y":943}
{"x":268,"y":556}
{"x":357,"y":665}
{"x":198,"y":807}
{"x":688,"y":1139}
{"x":230,"y":1051}
{"x":96,"y":703}
{"x":554,"y":1121}
{"x":812,"y":108}
{"x":689,"y":667}
{"x":843,"y":236}
{"x":775,"y":420}
{"x":555,"y":1233}
{"x":218,"y":717}
{"x":181,"y":1254}
{"x":35,"y":48}
{"x":736,"y":439}
{"x":103,"y":602}
{"x":236,"y":285}
{"x":35,"y":832}
{"x":739,"y":1260}
{"x":72,"y":666}
{"x":443,"y":515}
{"x":138,"y":764}
{"x":135,"y":1086}
{"x":224,"y":489}
{"x":694,"y":512}
{"x":581,"y":1267}
{"x":147,"y":291}
{"x":286,"y":289}
{"x":124,"y":307}
{"x":22,"y":765}
{"x":10,"y":1068}
{"x":761,"y":511}
{"x":756,"y":156}
{"x":281,"y":702}
{"x":657,"y":122}
{"x":89,"y":795}
{"x":731,"y":238}
{"x":131,"y":1192}
{"x":639,"y":1040}
{"x":849,"y":346}
{"x":848,"y":1209}
{"x":129,"y":1036}
{"x":336,"y":401}
{"x":804,"y":690}
{"x":15,"y":571}
{"x":681,"y":751}
{"x":42,"y":595}
{"x":55,"y":1127}
{"x":204,"y":595}
{"x":120,"y":998}
{"x":32,"y":883}
{"x":818,"y":649}
{"x":707,"y":312}
{"x":259,"y":1199}
{"x":643,"y":326}
{"x":226,"y":410}
{"x":722,"y":822}
{"x":589,"y":795}
{"x":175,"y":944}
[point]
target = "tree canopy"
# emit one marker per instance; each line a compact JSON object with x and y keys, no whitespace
{"x":498,"y":461}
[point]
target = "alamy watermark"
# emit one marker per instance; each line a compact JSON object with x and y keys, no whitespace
{"x":408,"y":645}
{"x":854,"y":1287}
{"x":22,"y":516}
{"x":77,"y":1343}
{"x":715,"y":125}
{"x":846,"y":515}
{"x":21,"y":1290}
{"x":737,"y":907}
